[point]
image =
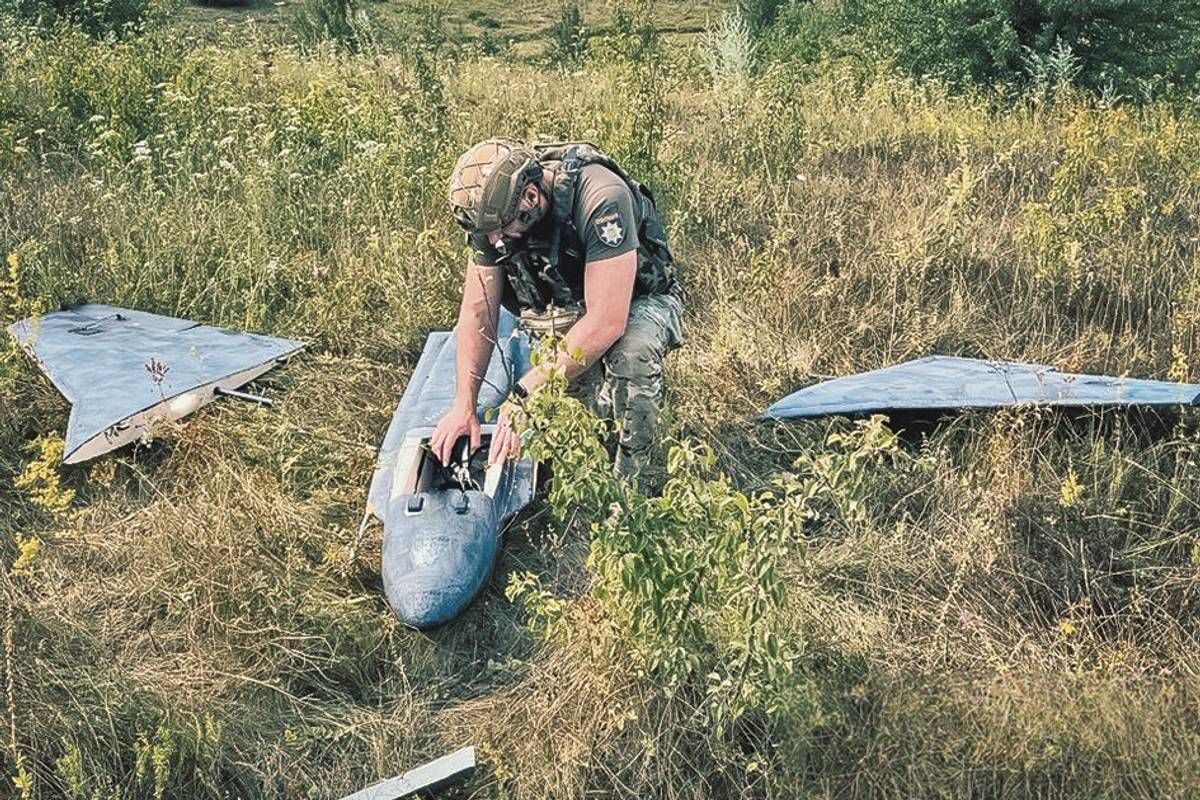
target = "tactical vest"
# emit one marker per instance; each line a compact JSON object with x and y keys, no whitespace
{"x":548,"y":270}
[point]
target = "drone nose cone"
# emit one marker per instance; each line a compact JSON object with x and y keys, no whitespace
{"x":436,"y":560}
{"x":430,"y":606}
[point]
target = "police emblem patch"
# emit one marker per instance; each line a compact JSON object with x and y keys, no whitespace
{"x":611,"y":232}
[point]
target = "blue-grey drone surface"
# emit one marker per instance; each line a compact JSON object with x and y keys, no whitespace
{"x":946,"y":383}
{"x":442,"y":524}
{"x":122,"y":370}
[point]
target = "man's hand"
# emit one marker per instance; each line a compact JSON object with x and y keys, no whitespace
{"x":458,"y":421}
{"x":506,"y":442}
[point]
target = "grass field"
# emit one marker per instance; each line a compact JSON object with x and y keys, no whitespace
{"x":999,"y":605}
{"x":524,"y":25}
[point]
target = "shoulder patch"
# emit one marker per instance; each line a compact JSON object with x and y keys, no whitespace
{"x":609,"y":229}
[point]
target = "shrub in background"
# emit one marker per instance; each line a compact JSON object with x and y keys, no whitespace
{"x":568,"y":35}
{"x":728,"y":50}
{"x":636,"y":49}
{"x":99,"y":18}
{"x":341,"y":22}
{"x":1124,"y":44}
{"x":489,"y":44}
{"x":759,"y":14}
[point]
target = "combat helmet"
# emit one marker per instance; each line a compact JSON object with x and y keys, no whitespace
{"x":487,"y":182}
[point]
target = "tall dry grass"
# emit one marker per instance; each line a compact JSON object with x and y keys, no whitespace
{"x":1011,"y":613}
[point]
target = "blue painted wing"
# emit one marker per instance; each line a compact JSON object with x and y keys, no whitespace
{"x":948,"y":382}
{"x":121,"y":368}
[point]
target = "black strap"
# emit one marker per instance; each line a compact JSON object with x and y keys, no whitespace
{"x":566,"y":177}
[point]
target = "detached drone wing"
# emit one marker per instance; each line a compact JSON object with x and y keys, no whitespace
{"x":122,"y":370}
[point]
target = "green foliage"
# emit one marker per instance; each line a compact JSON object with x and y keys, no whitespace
{"x":840,"y":475}
{"x":27,"y":552}
{"x":1129,"y":47}
{"x":548,"y":614}
{"x":154,"y":756}
{"x":100,"y":19}
{"x":429,"y":46}
{"x":483,"y":19}
{"x":759,"y":15}
{"x":636,"y":51}
{"x":568,"y":35}
{"x":728,"y":49}
{"x":690,"y":580}
{"x":23,"y":781}
{"x":492,"y":45}
{"x":70,"y":770}
{"x":14,"y":300}
{"x":343,"y":23}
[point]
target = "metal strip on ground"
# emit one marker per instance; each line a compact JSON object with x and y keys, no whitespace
{"x":425,"y":779}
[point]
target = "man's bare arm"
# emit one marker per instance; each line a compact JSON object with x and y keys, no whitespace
{"x":478,"y":317}
{"x":476,"y":334}
{"x":607,"y":291}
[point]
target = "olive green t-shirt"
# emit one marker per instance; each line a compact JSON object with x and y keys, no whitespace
{"x":603,"y":215}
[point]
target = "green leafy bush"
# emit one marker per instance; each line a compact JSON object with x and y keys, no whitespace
{"x":568,"y":35}
{"x":691,"y":580}
{"x":1122,"y":45}
{"x":341,"y":22}
{"x":759,"y":14}
{"x":635,"y":49}
{"x":99,"y":18}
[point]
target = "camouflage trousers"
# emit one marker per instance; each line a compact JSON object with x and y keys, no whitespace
{"x":626,"y":385}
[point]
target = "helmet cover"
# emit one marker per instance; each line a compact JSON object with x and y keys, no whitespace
{"x":487,"y":183}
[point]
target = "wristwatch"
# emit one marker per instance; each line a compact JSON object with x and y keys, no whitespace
{"x":519,"y":390}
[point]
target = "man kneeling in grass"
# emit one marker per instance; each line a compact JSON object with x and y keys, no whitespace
{"x":563,"y":237}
